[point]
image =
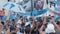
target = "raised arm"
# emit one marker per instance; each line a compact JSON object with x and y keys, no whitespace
{"x":52,"y":21}
{"x":43,"y":26}
{"x":41,"y":30}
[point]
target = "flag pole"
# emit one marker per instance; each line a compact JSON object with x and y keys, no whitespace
{"x":32,"y":5}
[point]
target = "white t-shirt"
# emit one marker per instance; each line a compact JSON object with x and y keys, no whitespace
{"x":27,"y":23}
{"x":19,"y":23}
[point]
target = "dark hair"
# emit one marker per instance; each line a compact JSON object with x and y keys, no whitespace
{"x":13,"y":33}
{"x":21,"y":16}
{"x":2,"y":22}
{"x":12,"y":19}
{"x":8,"y":0}
{"x":58,"y":22}
{"x":3,"y":9}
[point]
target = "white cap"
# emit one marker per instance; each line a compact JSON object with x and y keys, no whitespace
{"x":50,"y":28}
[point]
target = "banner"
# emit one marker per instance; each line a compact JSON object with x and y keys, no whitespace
{"x":39,"y":7}
{"x":57,"y":8}
{"x":37,"y":12}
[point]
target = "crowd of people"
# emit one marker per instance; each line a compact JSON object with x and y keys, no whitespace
{"x":30,"y":25}
{"x":19,"y":24}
